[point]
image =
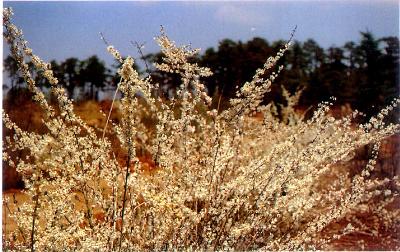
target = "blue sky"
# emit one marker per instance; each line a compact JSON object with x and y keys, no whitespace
{"x":58,"y":30}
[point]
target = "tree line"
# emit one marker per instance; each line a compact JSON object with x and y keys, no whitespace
{"x":363,"y":74}
{"x":85,"y":76}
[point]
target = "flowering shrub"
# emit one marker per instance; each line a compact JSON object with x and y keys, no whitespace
{"x":219,"y":179}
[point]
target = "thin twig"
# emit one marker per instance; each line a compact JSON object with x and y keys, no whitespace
{"x":109,"y":112}
{"x":103,"y":38}
{"x":34,"y":215}
{"x":142,"y":57}
{"x":124,"y":199}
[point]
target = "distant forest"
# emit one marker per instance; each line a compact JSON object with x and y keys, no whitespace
{"x":363,"y":74}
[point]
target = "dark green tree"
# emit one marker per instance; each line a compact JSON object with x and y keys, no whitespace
{"x":11,"y":67}
{"x":70,"y":74}
{"x":389,"y":64}
{"x":93,"y":73}
{"x":370,"y":92}
{"x":233,"y":63}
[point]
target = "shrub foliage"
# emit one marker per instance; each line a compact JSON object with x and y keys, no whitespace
{"x":212,"y":180}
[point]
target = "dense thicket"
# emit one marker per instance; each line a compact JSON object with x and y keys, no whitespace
{"x":212,"y":179}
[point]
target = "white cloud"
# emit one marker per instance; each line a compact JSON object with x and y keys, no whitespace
{"x":238,"y":14}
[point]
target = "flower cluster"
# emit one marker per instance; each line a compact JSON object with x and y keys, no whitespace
{"x":214,"y":180}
